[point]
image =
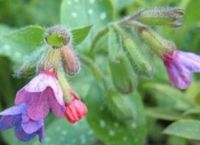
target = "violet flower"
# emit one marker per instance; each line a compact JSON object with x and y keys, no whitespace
{"x":41,"y":94}
{"x":25,"y":128}
{"x":180,"y":66}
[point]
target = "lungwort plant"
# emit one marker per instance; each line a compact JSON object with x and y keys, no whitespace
{"x":116,"y":80}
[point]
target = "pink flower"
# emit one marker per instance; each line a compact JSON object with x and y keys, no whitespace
{"x":75,"y":110}
{"x":180,"y":66}
{"x":41,"y":94}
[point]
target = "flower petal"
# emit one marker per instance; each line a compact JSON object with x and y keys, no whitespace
{"x":43,"y":81}
{"x":55,"y":106}
{"x":32,"y":126}
{"x":41,"y":134}
{"x":22,"y":96}
{"x":15,"y":110}
{"x":179,"y":76}
{"x":38,"y":107}
{"x":9,"y":121}
{"x":22,"y":135}
{"x":189,"y":60}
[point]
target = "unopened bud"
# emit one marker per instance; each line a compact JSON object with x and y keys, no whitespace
{"x":160,"y":16}
{"x":136,"y":56}
{"x":123,"y":75}
{"x":120,"y":106}
{"x":58,"y":36}
{"x":157,"y":42}
{"x":70,"y":60}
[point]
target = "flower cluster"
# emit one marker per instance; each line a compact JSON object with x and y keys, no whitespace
{"x":179,"y":64}
{"x":47,"y":91}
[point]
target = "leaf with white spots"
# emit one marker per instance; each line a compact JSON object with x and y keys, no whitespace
{"x":78,"y":13}
{"x":107,"y":127}
{"x":21,"y":42}
{"x":60,"y":132}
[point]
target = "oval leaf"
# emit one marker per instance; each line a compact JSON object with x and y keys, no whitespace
{"x":189,"y":129}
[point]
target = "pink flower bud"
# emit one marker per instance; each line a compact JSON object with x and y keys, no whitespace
{"x":70,"y":60}
{"x":75,"y":110}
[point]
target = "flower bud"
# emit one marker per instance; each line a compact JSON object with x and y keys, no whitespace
{"x":160,"y":16}
{"x":123,"y":76}
{"x":120,"y":106}
{"x":57,"y":36}
{"x":137,"y":58}
{"x":70,"y":61}
{"x":157,"y":42}
{"x":75,"y":110}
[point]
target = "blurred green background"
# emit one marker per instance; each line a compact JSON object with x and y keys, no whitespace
{"x":156,"y":106}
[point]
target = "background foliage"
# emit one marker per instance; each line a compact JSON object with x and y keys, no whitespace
{"x":160,"y":114}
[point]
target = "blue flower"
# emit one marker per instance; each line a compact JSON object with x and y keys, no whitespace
{"x":180,"y":66}
{"x":25,"y":128}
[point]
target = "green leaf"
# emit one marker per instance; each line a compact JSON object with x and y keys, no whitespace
{"x":60,"y":132}
{"x":78,"y":13}
{"x":31,"y":37}
{"x":21,"y":42}
{"x":189,"y":129}
{"x":193,"y":93}
{"x":80,"y":34}
{"x":10,"y":138}
{"x":6,"y":82}
{"x":163,"y":114}
{"x":192,"y":14}
{"x":167,"y":96}
{"x":120,"y":4}
{"x":107,"y":127}
{"x":4,"y":29}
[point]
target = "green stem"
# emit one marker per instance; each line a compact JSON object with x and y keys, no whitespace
{"x":95,"y":70}
{"x":64,"y":85}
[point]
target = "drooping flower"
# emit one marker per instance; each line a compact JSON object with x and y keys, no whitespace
{"x":25,"y":127}
{"x":41,"y":94}
{"x":75,"y":110}
{"x":180,"y":66}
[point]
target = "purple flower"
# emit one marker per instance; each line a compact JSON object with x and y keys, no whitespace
{"x":180,"y":66}
{"x":41,"y":94}
{"x":25,"y":127}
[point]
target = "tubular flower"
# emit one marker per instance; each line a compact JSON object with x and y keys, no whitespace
{"x":25,"y":127}
{"x":180,"y":66}
{"x":75,"y":110}
{"x":41,"y":94}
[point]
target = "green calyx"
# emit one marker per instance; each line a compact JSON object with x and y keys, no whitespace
{"x":58,"y":36}
{"x":136,"y":57}
{"x":54,"y":40}
{"x":123,"y":75}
